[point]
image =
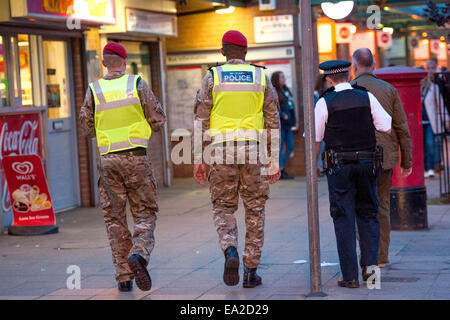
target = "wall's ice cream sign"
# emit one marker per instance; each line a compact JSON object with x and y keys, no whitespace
{"x":28,"y":190}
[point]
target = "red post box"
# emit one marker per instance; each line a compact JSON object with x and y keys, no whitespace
{"x":408,"y":195}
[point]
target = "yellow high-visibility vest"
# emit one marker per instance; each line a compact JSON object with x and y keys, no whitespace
{"x":238,"y":98}
{"x":120,"y":122}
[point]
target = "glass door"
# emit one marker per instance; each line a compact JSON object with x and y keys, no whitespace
{"x":62,"y":148}
{"x":138,"y":61}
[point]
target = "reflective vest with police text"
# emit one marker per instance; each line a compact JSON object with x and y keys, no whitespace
{"x":120,"y":122}
{"x":238,"y":98}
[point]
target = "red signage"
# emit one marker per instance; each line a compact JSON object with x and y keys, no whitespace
{"x":385,"y":38}
{"x":344,"y":32}
{"x":28,"y":191}
{"x":19,"y":135}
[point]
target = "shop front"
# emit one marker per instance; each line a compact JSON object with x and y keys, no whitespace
{"x":41,"y":85}
{"x":141,"y":27}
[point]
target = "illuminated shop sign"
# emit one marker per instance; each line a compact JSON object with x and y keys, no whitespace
{"x":97,"y":11}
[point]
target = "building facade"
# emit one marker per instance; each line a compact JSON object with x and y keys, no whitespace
{"x":49,"y":52}
{"x":273,"y":41}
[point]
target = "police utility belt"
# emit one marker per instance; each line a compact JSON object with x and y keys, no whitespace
{"x":331,"y":158}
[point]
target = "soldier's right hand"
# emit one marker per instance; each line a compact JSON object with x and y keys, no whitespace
{"x":274,"y":172}
{"x":200,"y":173}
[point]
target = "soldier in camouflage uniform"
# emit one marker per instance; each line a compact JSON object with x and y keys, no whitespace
{"x":126,"y":175}
{"x":230,"y":179}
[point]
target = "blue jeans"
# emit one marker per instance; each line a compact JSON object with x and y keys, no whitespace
{"x":430,"y":148}
{"x":287,"y":139}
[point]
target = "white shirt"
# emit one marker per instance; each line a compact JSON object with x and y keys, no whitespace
{"x":381,"y":119}
{"x":435,"y":108}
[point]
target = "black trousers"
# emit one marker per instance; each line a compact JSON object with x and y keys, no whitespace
{"x":353,"y":194}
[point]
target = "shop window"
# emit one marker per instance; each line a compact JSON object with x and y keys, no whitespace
{"x":4,"y":101}
{"x":25,"y":69}
{"x":56,"y":79}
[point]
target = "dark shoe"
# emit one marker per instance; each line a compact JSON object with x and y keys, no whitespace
{"x":251,"y":279}
{"x":231,"y":269}
{"x":125,"y":286}
{"x":285,"y":175}
{"x":138,"y":267}
{"x":365,"y":274}
{"x":348,"y":284}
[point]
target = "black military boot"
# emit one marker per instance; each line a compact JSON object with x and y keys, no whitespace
{"x":125,"y":286}
{"x":348,"y":284}
{"x":251,"y":279}
{"x":138,"y":266}
{"x":231,"y":269}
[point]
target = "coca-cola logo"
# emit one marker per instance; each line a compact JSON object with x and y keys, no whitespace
{"x":23,"y":138}
{"x":17,"y":142}
{"x":22,"y":167}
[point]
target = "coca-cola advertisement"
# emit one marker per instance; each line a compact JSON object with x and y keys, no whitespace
{"x":20,"y":134}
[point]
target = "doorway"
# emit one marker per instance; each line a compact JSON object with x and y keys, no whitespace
{"x":62,"y":170}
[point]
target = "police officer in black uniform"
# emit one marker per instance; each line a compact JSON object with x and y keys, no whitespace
{"x":346,"y":119}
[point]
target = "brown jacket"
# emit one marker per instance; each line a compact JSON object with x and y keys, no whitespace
{"x":388,"y":97}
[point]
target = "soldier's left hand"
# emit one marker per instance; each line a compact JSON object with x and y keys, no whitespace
{"x":405,"y":172}
{"x":274,"y":172}
{"x":200,"y":173}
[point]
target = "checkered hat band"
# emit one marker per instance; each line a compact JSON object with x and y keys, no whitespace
{"x":333,"y":71}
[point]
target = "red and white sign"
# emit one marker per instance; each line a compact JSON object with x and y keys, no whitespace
{"x":19,"y":135}
{"x":343,"y":32}
{"x":273,"y":28}
{"x":28,"y":191}
{"x":384,"y":39}
{"x":435,"y":46}
{"x":415,"y":42}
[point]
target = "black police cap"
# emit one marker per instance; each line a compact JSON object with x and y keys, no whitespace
{"x":334,"y":66}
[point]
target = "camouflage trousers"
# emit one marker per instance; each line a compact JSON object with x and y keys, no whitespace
{"x":227,"y":182}
{"x":129,"y":177}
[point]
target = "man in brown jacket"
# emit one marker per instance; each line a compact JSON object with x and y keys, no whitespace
{"x":387,"y":95}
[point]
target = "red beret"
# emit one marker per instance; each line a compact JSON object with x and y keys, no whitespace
{"x":115,"y":48}
{"x":234,"y":37}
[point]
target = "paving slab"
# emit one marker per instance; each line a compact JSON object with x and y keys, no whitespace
{"x":187,"y":262}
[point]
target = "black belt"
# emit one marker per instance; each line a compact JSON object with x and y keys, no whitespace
{"x":236,"y":143}
{"x":135,"y":152}
{"x":355,"y":155}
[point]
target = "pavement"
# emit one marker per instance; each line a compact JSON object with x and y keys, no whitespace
{"x":187,"y":263}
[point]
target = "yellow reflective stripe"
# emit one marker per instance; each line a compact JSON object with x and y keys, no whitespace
{"x":98,"y":92}
{"x":257,"y":75}
{"x":117,"y":104}
{"x":116,"y":146}
{"x":130,"y":85}
{"x":224,"y":87}
{"x":219,"y":70}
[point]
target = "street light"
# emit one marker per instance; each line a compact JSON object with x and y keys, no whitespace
{"x":230,"y":9}
{"x":338,"y":10}
{"x":388,"y":30}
